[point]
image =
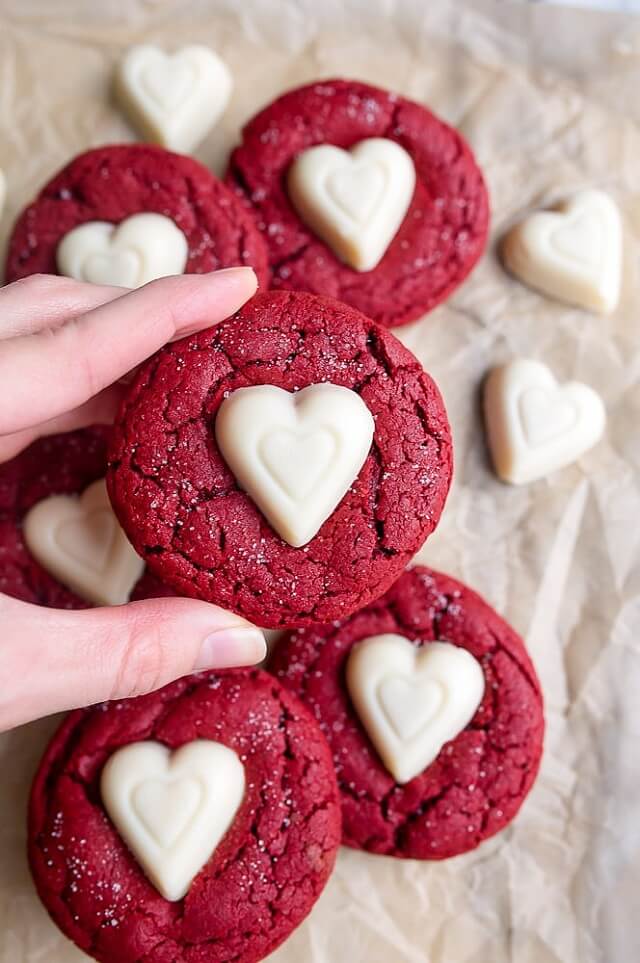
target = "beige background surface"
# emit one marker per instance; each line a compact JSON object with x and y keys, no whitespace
{"x":549,"y":99}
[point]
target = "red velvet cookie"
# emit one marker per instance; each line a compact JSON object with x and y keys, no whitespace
{"x":480,"y":777}
{"x":197,"y":528}
{"x":264,"y":875}
{"x":113,"y":183}
{"x":60,"y":465}
{"x":442,"y":235}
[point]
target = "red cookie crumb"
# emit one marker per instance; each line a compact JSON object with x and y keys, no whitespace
{"x":444,"y":231}
{"x":59,"y":465}
{"x":112,"y":183}
{"x":479,"y":780}
{"x":198,"y":531}
{"x":264,"y":876}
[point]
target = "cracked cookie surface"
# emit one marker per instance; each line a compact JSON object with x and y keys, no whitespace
{"x":443,"y":233}
{"x":265,"y":874}
{"x":479,"y":780}
{"x":59,"y":465}
{"x":199,"y":532}
{"x":113,"y":183}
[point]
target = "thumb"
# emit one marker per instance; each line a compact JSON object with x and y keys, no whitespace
{"x":52,"y":660}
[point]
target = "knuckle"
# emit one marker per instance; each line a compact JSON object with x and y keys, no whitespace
{"x":70,"y":342}
{"x":145,"y":658}
{"x":174,"y":296}
{"x":173,"y":307}
{"x":86,"y":374}
{"x":16,"y":663}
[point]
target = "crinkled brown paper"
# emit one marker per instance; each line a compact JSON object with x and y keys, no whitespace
{"x":550,"y":101}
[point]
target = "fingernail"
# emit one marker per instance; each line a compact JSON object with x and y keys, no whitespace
{"x":243,"y":278}
{"x":242,"y":274}
{"x":230,"y":646}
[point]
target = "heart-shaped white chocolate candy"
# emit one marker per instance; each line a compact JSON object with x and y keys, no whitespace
{"x":79,"y":541}
{"x":296,"y":454}
{"x":172,"y":809}
{"x":534,"y":425}
{"x":3,"y":191}
{"x":138,"y":250}
{"x":573,"y":253}
{"x":354,"y":200}
{"x":411,"y":700}
{"x":173,"y":99}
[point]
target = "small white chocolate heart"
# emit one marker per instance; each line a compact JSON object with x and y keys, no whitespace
{"x":295,"y":454}
{"x":3,"y":191}
{"x":412,"y":700}
{"x":536,"y":426}
{"x":354,"y":200}
{"x":172,"y":809}
{"x":79,"y":541}
{"x":572,"y":253}
{"x":173,"y":99}
{"x":138,"y":250}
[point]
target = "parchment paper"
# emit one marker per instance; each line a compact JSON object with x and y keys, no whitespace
{"x":549,"y":99}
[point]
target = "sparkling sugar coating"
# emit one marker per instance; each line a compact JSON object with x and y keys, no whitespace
{"x":113,"y":183}
{"x":441,"y":237}
{"x":198,"y":530}
{"x":479,"y":779}
{"x":267,"y":871}
{"x":59,"y":465}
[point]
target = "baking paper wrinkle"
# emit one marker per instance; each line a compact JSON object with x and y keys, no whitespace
{"x":548,"y":98}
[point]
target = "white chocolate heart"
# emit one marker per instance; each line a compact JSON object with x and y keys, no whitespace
{"x":295,"y":454}
{"x":412,"y":700}
{"x":79,"y":541}
{"x":536,"y":426}
{"x":3,"y":191}
{"x":572,"y":253}
{"x":172,"y":809}
{"x":354,"y":200}
{"x":173,"y":99}
{"x":138,"y":250}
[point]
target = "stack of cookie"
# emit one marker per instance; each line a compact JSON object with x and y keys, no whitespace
{"x":286,"y":465}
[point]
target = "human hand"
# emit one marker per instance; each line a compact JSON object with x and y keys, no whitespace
{"x":64,"y":346}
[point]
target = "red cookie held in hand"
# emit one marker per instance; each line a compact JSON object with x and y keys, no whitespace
{"x":286,"y":464}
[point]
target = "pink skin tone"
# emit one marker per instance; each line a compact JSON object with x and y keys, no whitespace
{"x":52,"y":660}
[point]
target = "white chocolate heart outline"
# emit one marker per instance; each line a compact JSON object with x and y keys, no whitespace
{"x":590,"y":278}
{"x":274,"y":448}
{"x":249,"y":415}
{"x":359,"y":242}
{"x":377,"y":660}
{"x":118,"y":567}
{"x":173,"y":863}
{"x":398,"y":706}
{"x":522,"y":454}
{"x":178,"y":126}
{"x":147,"y":246}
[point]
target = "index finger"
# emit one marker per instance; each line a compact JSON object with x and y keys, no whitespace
{"x":41,"y":301}
{"x":45,"y":374}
